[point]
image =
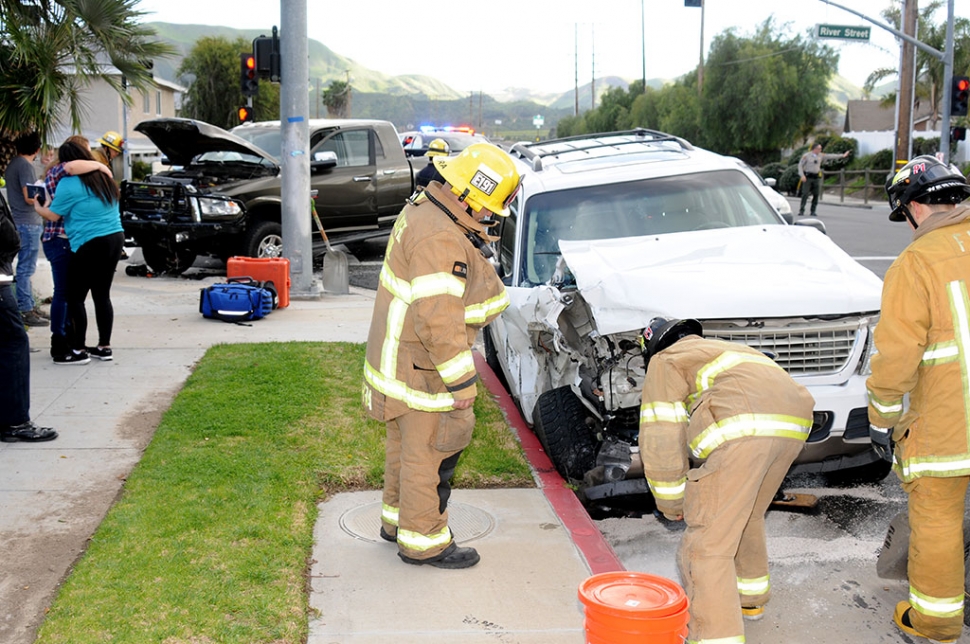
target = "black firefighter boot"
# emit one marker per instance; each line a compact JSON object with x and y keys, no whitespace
{"x":451,"y":558}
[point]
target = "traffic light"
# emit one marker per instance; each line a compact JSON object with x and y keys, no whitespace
{"x":248,"y":82}
{"x":267,"y":52}
{"x":959,"y":95}
{"x":245,"y":114}
{"x":958,"y":134}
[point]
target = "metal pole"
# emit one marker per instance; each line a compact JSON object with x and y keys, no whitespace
{"x":125,"y":154}
{"x":700,"y":64}
{"x":576,"y":56}
{"x":907,"y":71}
{"x":947,"y":89}
{"x":294,"y":107}
{"x":643,"y":45}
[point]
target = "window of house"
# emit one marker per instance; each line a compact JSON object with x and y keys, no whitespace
{"x":158,"y":103}
{"x":146,"y":103}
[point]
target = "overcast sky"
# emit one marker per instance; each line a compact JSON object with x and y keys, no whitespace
{"x":491,"y":45}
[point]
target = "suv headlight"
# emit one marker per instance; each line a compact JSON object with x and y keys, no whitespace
{"x":209,"y":208}
{"x":865,"y":368}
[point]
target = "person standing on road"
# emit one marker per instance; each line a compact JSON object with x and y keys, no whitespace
{"x":429,"y":173}
{"x":744,"y":419}
{"x":112,"y":147}
{"x":923,"y":345}
{"x":20,"y":173}
{"x":88,"y":204}
{"x":810,"y":173}
{"x":15,"y":423}
{"x":436,"y":290}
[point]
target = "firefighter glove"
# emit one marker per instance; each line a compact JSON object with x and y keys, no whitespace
{"x":882,"y":442}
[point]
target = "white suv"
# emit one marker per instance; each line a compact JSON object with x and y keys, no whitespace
{"x":612,"y":230}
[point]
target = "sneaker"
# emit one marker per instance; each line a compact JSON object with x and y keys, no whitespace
{"x":101,"y":353}
{"x":901,"y":617}
{"x":30,"y":318}
{"x":753,"y":613}
{"x":74,"y":357}
{"x":40,"y":312}
{"x":27,"y":432}
{"x":451,"y":558}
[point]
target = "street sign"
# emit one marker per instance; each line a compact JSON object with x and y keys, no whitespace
{"x":537,"y":120}
{"x":842,"y":32}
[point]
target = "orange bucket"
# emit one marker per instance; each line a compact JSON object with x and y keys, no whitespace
{"x":632,"y":608}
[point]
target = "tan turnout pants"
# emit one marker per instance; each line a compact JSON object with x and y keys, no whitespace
{"x":420,"y":455}
{"x":936,"y":507}
{"x":723,"y":557}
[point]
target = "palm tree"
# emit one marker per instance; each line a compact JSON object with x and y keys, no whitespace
{"x":51,"y":49}
{"x":929,"y":70}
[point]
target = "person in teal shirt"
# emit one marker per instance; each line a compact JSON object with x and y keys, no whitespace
{"x":88,"y":204}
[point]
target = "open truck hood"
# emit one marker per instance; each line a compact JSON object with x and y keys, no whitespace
{"x":749,"y":272}
{"x":181,"y":140}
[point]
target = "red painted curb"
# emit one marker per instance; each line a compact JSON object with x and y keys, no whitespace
{"x":599,"y":555}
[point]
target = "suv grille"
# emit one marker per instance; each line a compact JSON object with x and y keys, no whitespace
{"x":156,"y":202}
{"x":800,"y":350}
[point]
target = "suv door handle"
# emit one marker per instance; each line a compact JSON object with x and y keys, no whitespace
{"x":363,"y":178}
{"x":391,"y":171}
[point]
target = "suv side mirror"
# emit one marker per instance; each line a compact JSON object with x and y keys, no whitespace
{"x":771,"y":182}
{"x":323,"y":160}
{"x":817,"y":224}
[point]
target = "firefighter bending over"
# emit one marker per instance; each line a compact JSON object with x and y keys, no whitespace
{"x":436,"y":290}
{"x":742,"y":420}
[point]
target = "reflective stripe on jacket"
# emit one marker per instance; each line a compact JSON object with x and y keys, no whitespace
{"x":436,"y":290}
{"x":923,"y":344}
{"x":700,"y":393}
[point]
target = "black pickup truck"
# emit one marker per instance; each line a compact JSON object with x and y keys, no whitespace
{"x":221,"y":196}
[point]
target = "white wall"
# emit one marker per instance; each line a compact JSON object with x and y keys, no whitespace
{"x":872,"y":142}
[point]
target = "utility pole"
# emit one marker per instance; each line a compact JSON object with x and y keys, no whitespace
{"x":904,"y":97}
{"x":317,"y":94}
{"x":479,"y":110}
{"x":643,"y":45}
{"x":576,"y":57}
{"x":294,"y":106}
{"x":592,"y":84}
{"x":700,"y":64}
{"x":349,"y":94}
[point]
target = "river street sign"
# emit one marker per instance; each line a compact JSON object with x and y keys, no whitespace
{"x":842,"y":32}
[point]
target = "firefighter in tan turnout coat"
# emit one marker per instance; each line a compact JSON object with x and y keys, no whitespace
{"x":437,"y":289}
{"x":923,"y":344}
{"x":742,"y":420}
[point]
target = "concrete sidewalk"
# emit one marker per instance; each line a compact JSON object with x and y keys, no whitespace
{"x":53,"y":495}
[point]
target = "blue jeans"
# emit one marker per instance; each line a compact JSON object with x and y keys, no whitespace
{"x":27,"y":264}
{"x":58,"y":253}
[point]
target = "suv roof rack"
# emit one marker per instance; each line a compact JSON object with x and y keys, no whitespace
{"x":526,"y":152}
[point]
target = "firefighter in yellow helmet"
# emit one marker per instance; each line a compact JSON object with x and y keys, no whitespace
{"x":436,"y":290}
{"x":742,"y":420}
{"x":112,"y":146}
{"x":923,"y":343}
{"x":429,"y":173}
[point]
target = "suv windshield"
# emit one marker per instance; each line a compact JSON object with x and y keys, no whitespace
{"x":701,"y":201}
{"x":267,"y":139}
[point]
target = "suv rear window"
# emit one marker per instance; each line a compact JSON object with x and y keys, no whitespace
{"x":720,"y":199}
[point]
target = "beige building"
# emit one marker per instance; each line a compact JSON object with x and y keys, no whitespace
{"x":103,"y":110}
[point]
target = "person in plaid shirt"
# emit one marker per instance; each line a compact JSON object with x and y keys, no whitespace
{"x":58,"y":253}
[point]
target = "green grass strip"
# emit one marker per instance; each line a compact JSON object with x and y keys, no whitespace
{"x":211,"y":538}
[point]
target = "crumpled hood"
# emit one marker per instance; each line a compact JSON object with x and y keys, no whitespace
{"x":181,"y":140}
{"x":750,"y":272}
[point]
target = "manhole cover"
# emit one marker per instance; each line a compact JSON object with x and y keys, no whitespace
{"x":466,"y":522}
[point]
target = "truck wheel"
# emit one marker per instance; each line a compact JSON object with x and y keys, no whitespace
{"x":163,"y":260}
{"x":265,"y":239}
{"x":869,"y":473}
{"x":560,"y":424}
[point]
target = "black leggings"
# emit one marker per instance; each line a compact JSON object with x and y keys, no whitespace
{"x":92,"y":268}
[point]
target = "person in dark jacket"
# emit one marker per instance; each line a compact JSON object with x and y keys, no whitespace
{"x":15,"y":423}
{"x":437,"y":148}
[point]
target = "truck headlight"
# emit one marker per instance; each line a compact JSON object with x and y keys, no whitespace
{"x":207,"y":208}
{"x":865,"y":367}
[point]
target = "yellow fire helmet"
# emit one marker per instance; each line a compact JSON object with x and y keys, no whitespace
{"x":438,"y":147}
{"x":483,"y":176}
{"x":113,"y":140}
